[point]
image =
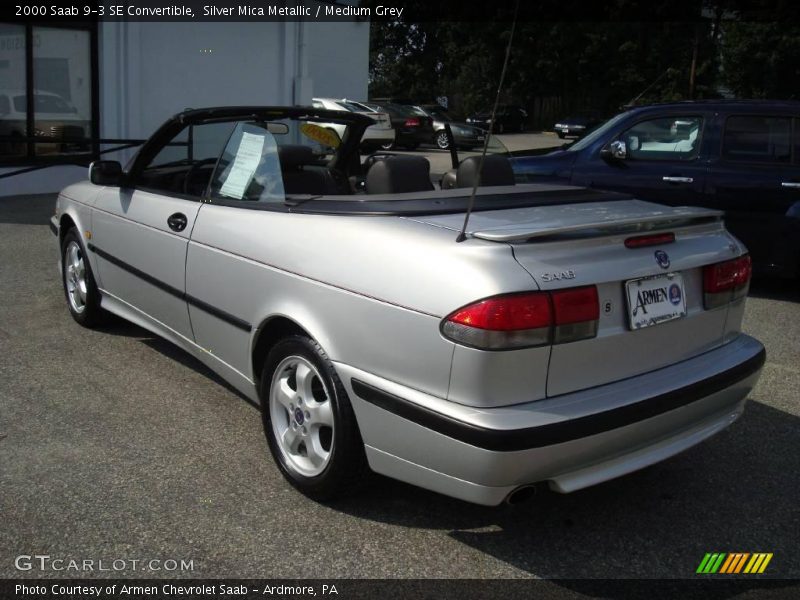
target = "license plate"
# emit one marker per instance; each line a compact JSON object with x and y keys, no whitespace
{"x":565,"y":130}
{"x":480,"y":138}
{"x":654,"y":300}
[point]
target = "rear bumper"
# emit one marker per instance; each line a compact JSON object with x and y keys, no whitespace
{"x":469,"y":140}
{"x":378,"y":136}
{"x":414,"y":135}
{"x":572,"y":441}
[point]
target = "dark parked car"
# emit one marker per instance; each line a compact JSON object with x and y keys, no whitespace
{"x":741,"y":157}
{"x":465,"y":136}
{"x":577,"y":125}
{"x":410,"y":128}
{"x":508,"y":118}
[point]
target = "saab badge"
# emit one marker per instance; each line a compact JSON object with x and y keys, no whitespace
{"x":662,"y":259}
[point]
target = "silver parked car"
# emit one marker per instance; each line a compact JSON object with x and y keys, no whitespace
{"x":381,"y":133}
{"x":574,"y":336}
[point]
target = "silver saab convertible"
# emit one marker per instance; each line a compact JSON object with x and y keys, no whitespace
{"x":573,"y":336}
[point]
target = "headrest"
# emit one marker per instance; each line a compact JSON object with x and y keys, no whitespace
{"x":295,"y":156}
{"x":496,"y":171}
{"x":397,"y":174}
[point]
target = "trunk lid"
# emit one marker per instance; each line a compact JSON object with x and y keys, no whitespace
{"x":382,"y":120}
{"x":584,"y":244}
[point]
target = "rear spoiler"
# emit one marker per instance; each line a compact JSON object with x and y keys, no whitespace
{"x":591,"y":224}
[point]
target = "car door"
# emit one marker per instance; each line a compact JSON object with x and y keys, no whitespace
{"x":756,"y":181}
{"x":661,"y":162}
{"x":140,"y":232}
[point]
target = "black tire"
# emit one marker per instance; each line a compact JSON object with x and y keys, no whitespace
{"x":441,"y":140}
{"x":501,"y":128}
{"x":89,"y":314}
{"x":561,"y":135}
{"x":345,"y":469}
{"x":389,"y":146}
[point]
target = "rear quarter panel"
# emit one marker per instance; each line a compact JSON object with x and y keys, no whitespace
{"x":371,"y":290}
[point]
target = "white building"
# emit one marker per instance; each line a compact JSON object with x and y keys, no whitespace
{"x":121,"y":80}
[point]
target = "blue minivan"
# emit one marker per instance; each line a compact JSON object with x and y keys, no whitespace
{"x":742,"y":157}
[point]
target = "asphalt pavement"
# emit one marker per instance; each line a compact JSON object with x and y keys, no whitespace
{"x":116,"y":445}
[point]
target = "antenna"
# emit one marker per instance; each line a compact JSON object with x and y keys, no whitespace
{"x":463,"y":235}
{"x":647,"y":89}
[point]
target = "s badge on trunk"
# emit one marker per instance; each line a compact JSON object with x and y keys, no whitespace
{"x":662,"y":258}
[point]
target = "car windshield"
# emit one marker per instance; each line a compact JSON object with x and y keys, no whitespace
{"x":396,"y":110}
{"x":438,"y":113}
{"x":351,"y":106}
{"x":596,"y":134}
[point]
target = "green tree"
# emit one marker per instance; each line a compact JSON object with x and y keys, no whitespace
{"x":761,"y":60}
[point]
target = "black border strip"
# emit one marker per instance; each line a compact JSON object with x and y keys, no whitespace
{"x":196,"y":302}
{"x":53,"y":229}
{"x":557,"y":433}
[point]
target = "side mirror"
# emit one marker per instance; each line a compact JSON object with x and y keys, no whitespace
{"x":105,"y":172}
{"x":616,"y":150}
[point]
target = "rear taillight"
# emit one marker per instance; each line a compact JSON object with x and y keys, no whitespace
{"x":726,"y":281}
{"x":575,"y":314}
{"x":526,"y":319}
{"x":412,"y":122}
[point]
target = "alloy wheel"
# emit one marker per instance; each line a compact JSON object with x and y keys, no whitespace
{"x":301,"y":416}
{"x":75,"y":277}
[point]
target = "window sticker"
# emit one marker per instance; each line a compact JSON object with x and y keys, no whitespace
{"x":244,"y":165}
{"x":323,"y":135}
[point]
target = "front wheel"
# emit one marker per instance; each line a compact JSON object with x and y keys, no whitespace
{"x":80,"y":289}
{"x":442,"y":141}
{"x":308,"y":421}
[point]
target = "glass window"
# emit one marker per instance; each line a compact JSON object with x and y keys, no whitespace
{"x":672,"y":138}
{"x":249,"y":169}
{"x":62,"y":90}
{"x":268,"y":161}
{"x":351,"y":106}
{"x":596,"y":133}
{"x":13,"y":110}
{"x":184,"y":165}
{"x":759,"y":139}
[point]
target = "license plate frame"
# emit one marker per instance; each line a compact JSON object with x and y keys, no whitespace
{"x":655,"y":299}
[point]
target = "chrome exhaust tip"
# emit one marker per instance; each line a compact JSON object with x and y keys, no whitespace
{"x":521,"y":494}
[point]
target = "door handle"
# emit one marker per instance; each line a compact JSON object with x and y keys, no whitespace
{"x":177,"y":222}
{"x":671,"y":179}
{"x":790,"y":184}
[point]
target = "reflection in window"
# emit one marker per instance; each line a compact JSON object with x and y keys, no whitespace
{"x":761,"y":139}
{"x":184,"y":165}
{"x":13,"y":110}
{"x":62,"y":90}
{"x":673,"y":138}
